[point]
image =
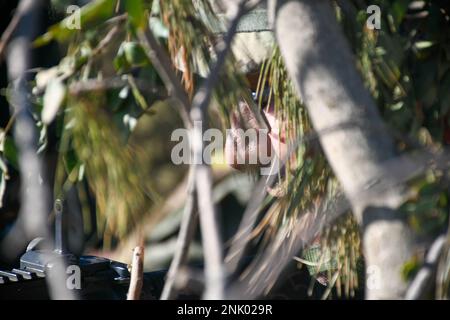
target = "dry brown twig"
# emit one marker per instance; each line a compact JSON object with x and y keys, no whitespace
{"x":137,"y":274}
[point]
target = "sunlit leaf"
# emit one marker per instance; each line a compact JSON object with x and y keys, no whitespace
{"x":420,"y":45}
{"x":54,"y":96}
{"x":93,"y":13}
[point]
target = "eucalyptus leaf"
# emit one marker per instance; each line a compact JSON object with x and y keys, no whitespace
{"x":137,"y":94}
{"x":136,"y":12}
{"x":44,"y":77}
{"x":3,"y":166}
{"x":135,"y":54}
{"x":89,"y":15}
{"x":158,"y":28}
{"x":10,"y":152}
{"x":420,"y":45}
{"x":54,"y":97}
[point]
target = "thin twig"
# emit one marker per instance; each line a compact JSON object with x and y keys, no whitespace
{"x":99,"y":49}
{"x":137,"y":274}
{"x":240,"y":239}
{"x":215,"y":272}
{"x":160,"y":60}
{"x":185,"y":236}
{"x":79,"y":87}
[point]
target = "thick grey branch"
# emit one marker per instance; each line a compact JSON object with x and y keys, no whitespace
{"x":423,"y":281}
{"x":32,"y":221}
{"x":323,"y":71}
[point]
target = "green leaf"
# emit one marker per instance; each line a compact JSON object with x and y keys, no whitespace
{"x":158,"y":28}
{"x":10,"y":152}
{"x":89,"y":15}
{"x":54,"y":97}
{"x":136,"y":12}
{"x":71,"y":161}
{"x":120,"y":63}
{"x":410,"y":268}
{"x":135,"y":54}
{"x":130,"y":54}
{"x":137,"y":94}
{"x":44,"y":77}
{"x":399,"y":9}
{"x":420,"y":45}
{"x":3,"y":166}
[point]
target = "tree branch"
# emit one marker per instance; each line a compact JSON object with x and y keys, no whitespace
{"x":160,"y":60}
{"x":321,"y":66}
{"x":35,"y":195}
{"x":76,"y":88}
{"x":215,"y":272}
{"x":185,"y":236}
{"x":423,"y":281}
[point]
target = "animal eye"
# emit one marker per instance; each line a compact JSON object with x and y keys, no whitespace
{"x":264,"y":97}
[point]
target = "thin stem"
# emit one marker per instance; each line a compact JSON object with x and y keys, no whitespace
{"x":160,"y":60}
{"x":215,"y":272}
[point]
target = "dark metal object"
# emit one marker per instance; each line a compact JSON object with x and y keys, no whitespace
{"x":42,"y":261}
{"x":101,"y":278}
{"x":59,"y":235}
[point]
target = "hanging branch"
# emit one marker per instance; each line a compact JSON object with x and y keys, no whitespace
{"x":214,"y":267}
{"x":163,"y":65}
{"x":202,"y":185}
